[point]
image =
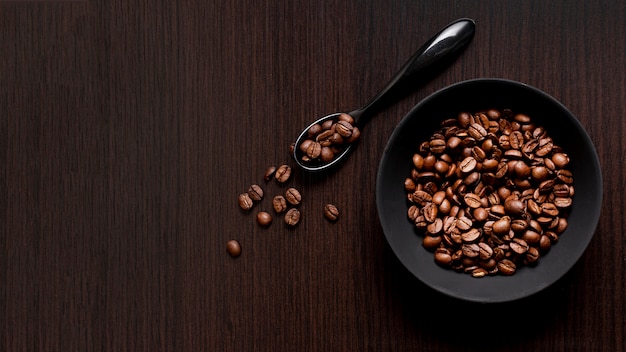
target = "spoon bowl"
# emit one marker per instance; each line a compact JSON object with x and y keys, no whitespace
{"x":431,"y":57}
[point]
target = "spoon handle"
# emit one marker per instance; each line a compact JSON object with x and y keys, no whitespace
{"x":432,"y":56}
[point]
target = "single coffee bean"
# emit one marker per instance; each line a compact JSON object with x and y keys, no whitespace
{"x":506,"y":267}
{"x":519,"y":246}
{"x":463,"y":223}
{"x":283,"y":173}
{"x":315,"y":130}
{"x":502,"y":226}
{"x":472,"y":200}
{"x":279,"y":203}
{"x":514,"y":207}
{"x":560,"y":160}
{"x":344,"y":128}
{"x":314,"y":149}
{"x":471,"y":250}
{"x":264,"y":218}
{"x":435,"y":227}
{"x":293,"y":196}
{"x":471,"y":236}
{"x":468,"y":164}
{"x":422,"y":197}
{"x":443,"y":257}
{"x":331,"y":212}
{"x":346,"y":117}
{"x":234,"y":248}
{"x":479,"y":272}
{"x":292,"y":217}
{"x":245,"y":202}
{"x":430,"y":211}
{"x":269,"y":173}
{"x":255,"y":192}
{"x":485,"y":251}
{"x":431,"y":242}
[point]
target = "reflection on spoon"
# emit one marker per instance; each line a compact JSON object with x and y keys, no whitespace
{"x":329,"y":139}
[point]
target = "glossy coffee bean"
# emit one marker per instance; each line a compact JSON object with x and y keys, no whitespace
{"x":264,"y":218}
{"x":331,"y":212}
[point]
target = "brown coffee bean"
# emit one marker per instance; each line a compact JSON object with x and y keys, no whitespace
{"x":245,"y":202}
{"x":293,"y":196}
{"x":279,"y":203}
{"x":463,"y":223}
{"x":480,"y":214}
{"x":560,"y":160}
{"x":315,"y":130}
{"x":471,"y":250}
{"x":264,"y":218}
{"x":430,"y":211}
{"x":485,"y":251}
{"x":431,"y":242}
{"x":346,"y":117}
{"x":269,"y":173}
{"x":519,"y":246}
{"x":443,"y":258}
{"x":234,"y":248}
{"x":472,"y":200}
{"x":435,"y":227}
{"x":471,"y":236}
{"x":344,"y":128}
{"x":522,"y":118}
{"x":468,"y":164}
{"x":331,"y":212}
{"x":283,"y":173}
{"x":502,"y":226}
{"x":514,"y":207}
{"x":255,"y":192}
{"x":292,"y":217}
{"x":565,"y":176}
{"x":477,"y":131}
{"x":506,"y":267}
{"x":479,"y":272}
{"x":532,"y":255}
{"x":313,"y":150}
{"x":422,"y":197}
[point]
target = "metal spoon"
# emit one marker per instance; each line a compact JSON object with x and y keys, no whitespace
{"x":437,"y":51}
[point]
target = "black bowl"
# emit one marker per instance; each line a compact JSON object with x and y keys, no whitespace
{"x":473,"y":96}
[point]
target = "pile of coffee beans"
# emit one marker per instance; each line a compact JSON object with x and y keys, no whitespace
{"x":490,"y":192}
{"x":328,"y":139}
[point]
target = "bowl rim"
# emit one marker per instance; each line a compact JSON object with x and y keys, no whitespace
{"x":569,"y":116}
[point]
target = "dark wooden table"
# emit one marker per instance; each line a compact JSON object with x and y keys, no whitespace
{"x":127,"y":130}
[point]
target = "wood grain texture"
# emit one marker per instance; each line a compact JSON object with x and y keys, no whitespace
{"x":127,"y":130}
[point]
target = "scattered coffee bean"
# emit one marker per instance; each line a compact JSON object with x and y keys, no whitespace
{"x":255,"y":192}
{"x":234,"y":248}
{"x":264,"y":218}
{"x":283,"y":173}
{"x":490,"y":192}
{"x":293,"y":196}
{"x":279,"y":203}
{"x":292,"y":217}
{"x":269,"y":173}
{"x":245,"y":202}
{"x":331,"y":212}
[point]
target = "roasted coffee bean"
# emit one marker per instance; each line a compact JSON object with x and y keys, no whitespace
{"x":283,"y":173}
{"x":502,"y":226}
{"x":472,"y":200}
{"x":471,"y":250}
{"x":514,"y":207}
{"x":506,"y":267}
{"x":234,"y":248}
{"x":293,"y":196}
{"x":485,"y":251}
{"x":463,"y":223}
{"x":470,"y":236}
{"x":430,"y":211}
{"x":519,"y":246}
{"x":255,"y":192}
{"x":245,"y":202}
{"x":264,"y":218}
{"x":269,"y":173}
{"x":443,"y":258}
{"x":331,"y":212}
{"x":292,"y":217}
{"x":431,"y":242}
{"x":279,"y":203}
{"x":479,"y":272}
{"x":435,"y":227}
{"x":344,"y":128}
{"x":468,"y":164}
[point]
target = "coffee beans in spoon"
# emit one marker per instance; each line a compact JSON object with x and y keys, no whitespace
{"x":327,"y":139}
{"x":490,"y":192}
